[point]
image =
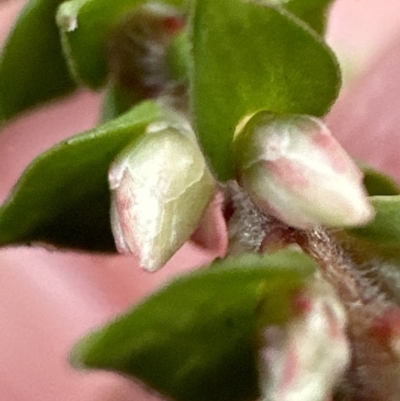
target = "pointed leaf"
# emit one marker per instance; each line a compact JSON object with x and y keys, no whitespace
{"x":116,"y":102}
{"x":250,"y":57}
{"x":63,"y":197}
{"x":195,"y":340}
{"x":376,"y":247}
{"x":313,"y":12}
{"x":85,"y":27}
{"x":378,"y":183}
{"x":385,"y":228}
{"x":178,"y":57}
{"x":32,"y":66}
{"x":378,"y":239}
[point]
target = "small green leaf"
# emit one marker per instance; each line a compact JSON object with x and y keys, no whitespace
{"x":196,"y":339}
{"x":378,"y":183}
{"x":313,"y":12}
{"x":116,"y":102}
{"x":364,"y":251}
{"x":85,"y":28}
{"x":385,"y":228}
{"x":32,"y":66}
{"x":63,"y":197}
{"x":381,"y":238}
{"x":250,"y":57}
{"x":178,"y":58}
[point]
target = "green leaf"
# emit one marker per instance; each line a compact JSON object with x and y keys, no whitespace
{"x":364,"y":251}
{"x":116,"y":102}
{"x":381,"y":238}
{"x":178,"y":58}
{"x":63,"y":197}
{"x":85,"y":44}
{"x":378,"y":183}
{"x":313,"y":12}
{"x":385,"y":228}
{"x":196,"y":339}
{"x":249,"y":57}
{"x":32,"y":66}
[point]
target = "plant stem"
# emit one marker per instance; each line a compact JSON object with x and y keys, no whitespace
{"x":373,"y":374}
{"x":374,"y":370}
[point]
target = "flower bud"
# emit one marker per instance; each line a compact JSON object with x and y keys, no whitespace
{"x":306,"y":359}
{"x":294,"y":169}
{"x":161,"y":187}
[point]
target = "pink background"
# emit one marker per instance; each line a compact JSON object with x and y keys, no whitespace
{"x":48,"y":300}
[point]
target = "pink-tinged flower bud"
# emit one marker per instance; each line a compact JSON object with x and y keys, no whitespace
{"x":306,"y":359}
{"x":161,"y":187}
{"x":294,"y":169}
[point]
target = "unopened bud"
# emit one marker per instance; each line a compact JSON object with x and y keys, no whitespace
{"x":294,"y":169}
{"x":306,"y":359}
{"x":161,"y":187}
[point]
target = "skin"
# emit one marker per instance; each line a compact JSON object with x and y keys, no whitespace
{"x":48,"y":300}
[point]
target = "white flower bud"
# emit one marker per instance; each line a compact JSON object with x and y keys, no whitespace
{"x":295,"y":169}
{"x":161,"y":187}
{"x":305,"y":360}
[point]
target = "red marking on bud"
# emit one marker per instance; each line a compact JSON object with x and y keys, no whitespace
{"x":288,"y":173}
{"x":387,"y":326}
{"x":291,"y":369}
{"x":335,"y":330}
{"x":302,"y":303}
{"x":173,"y":24}
{"x":328,"y":144}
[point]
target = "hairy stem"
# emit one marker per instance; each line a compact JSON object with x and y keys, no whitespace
{"x":373,"y":319}
{"x":374,"y":372}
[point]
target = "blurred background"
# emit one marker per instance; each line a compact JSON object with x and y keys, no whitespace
{"x":49,"y":299}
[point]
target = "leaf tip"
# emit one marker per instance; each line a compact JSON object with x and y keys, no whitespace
{"x":83,"y":354}
{"x":67,"y":17}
